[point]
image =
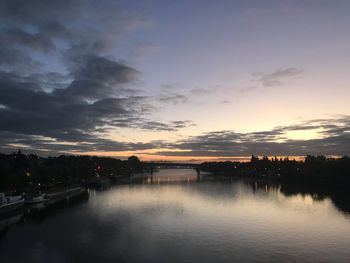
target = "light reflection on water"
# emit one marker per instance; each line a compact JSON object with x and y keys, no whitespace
{"x":193,"y":221}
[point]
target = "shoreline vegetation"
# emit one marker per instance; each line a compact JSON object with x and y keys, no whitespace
{"x":315,"y":170}
{"x":20,"y":171}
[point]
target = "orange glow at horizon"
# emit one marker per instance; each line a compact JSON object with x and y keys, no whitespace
{"x":193,"y":159}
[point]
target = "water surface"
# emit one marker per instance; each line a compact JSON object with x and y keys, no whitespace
{"x":178,"y":217}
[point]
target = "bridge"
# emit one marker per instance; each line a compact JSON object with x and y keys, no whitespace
{"x":170,"y":165}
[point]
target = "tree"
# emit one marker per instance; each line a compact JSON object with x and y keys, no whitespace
{"x":134,"y":164}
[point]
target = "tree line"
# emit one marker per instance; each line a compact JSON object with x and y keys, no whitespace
{"x":313,"y":169}
{"x":18,"y":171}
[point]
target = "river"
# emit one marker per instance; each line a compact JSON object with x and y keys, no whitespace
{"x":178,"y":217}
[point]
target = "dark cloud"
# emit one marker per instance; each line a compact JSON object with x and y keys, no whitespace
{"x":35,"y":41}
{"x":335,"y":141}
{"x":55,"y":116}
{"x":97,"y":77}
{"x":183,"y":124}
{"x":68,"y":27}
{"x":88,"y":93}
{"x":83,"y":142}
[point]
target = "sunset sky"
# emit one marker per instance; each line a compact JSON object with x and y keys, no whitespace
{"x":175,"y":80}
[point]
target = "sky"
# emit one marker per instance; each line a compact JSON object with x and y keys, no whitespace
{"x":175,"y":80}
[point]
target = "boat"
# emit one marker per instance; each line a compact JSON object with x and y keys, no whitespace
{"x":10,"y":203}
{"x":75,"y":191}
{"x":64,"y":195}
{"x":55,"y":197}
{"x":34,"y":198}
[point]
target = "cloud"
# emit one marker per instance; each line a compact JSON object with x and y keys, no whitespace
{"x":182,"y":124}
{"x":61,"y":86}
{"x":168,"y":95}
{"x":173,"y":98}
{"x":218,"y":89}
{"x":96,"y":77}
{"x":278,"y":77}
{"x":31,"y":112}
{"x":63,"y":27}
{"x":200,"y":91}
{"x":247,"y":89}
{"x":334,"y":140}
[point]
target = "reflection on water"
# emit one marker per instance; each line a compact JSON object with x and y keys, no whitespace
{"x":192,"y":220}
{"x":171,"y":176}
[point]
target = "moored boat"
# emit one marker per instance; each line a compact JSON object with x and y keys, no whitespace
{"x":64,"y":195}
{"x":54,"y":197}
{"x":72,"y":192}
{"x":10,"y":203}
{"x":34,"y":198}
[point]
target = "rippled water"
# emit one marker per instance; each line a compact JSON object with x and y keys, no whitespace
{"x":164,"y":220}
